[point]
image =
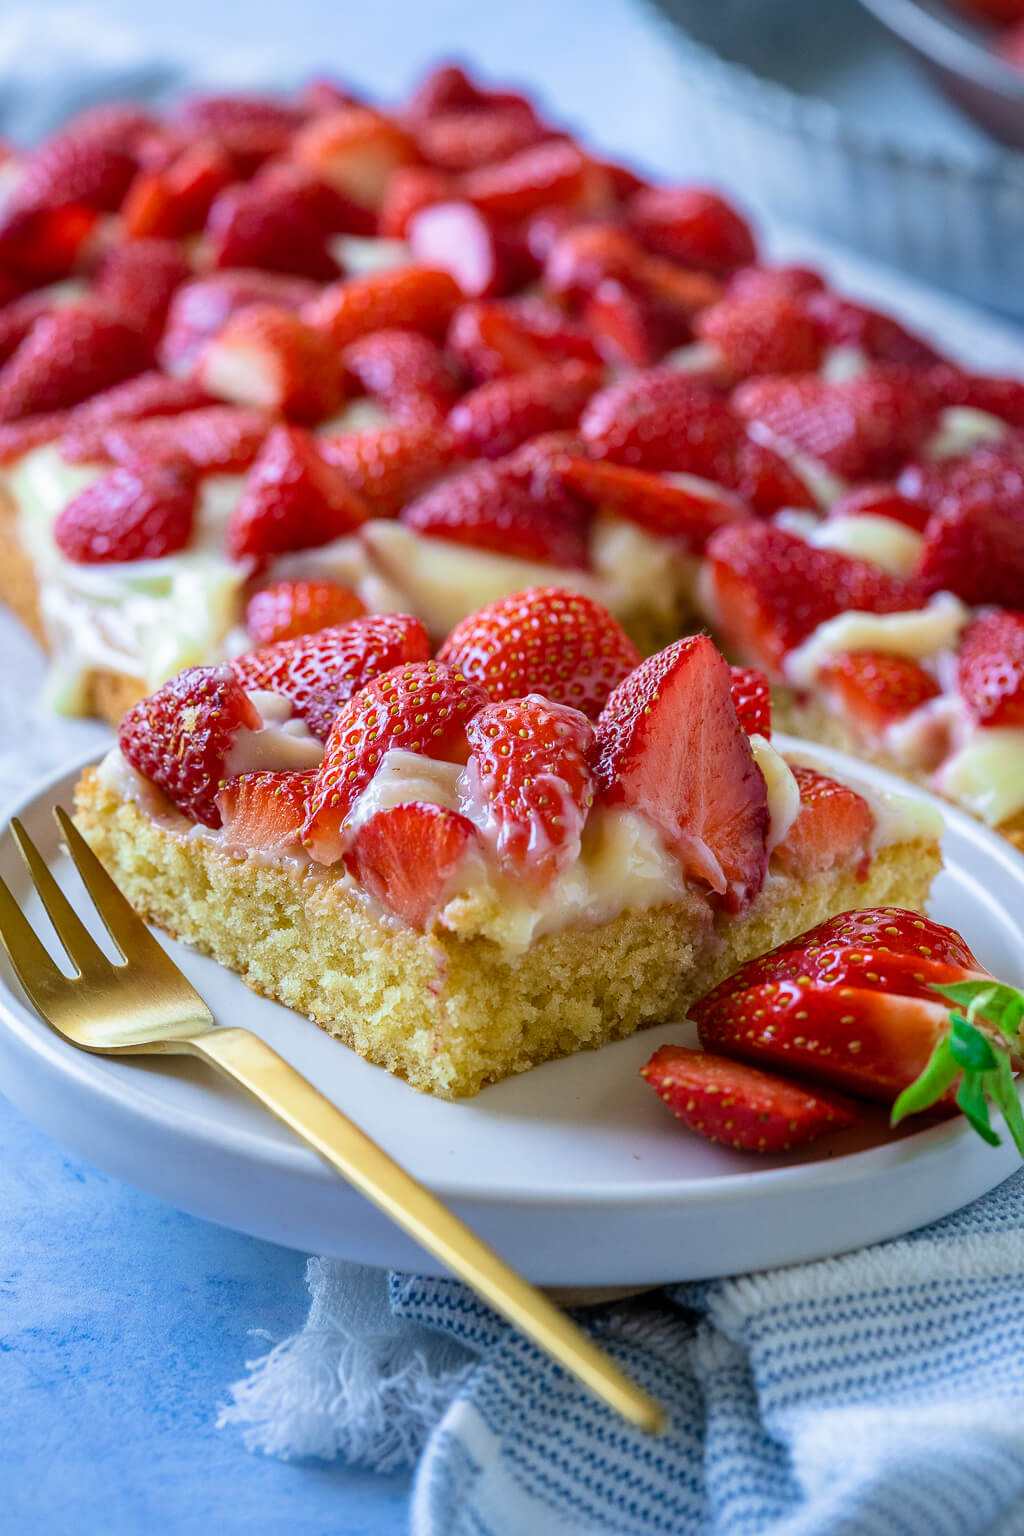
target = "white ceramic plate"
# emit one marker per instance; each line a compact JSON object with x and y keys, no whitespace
{"x":575,"y":1171}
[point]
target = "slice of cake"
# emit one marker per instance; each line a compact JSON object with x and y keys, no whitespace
{"x":466,"y":866}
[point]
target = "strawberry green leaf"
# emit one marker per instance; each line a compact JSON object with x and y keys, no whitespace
{"x":971,"y":1099}
{"x":938,"y":1076}
{"x":969,"y":1048}
{"x":1000,"y":1005}
{"x":1003,"y":1093}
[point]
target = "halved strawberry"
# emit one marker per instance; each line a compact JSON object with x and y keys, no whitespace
{"x":548,"y":174}
{"x":406,"y":371}
{"x":410,"y":189}
{"x":671,"y":506}
{"x":496,"y":417}
{"x":421,"y":707}
{"x":629,"y":328}
{"x":847,"y":1003}
{"x":457,"y":238}
{"x":753,"y":700}
{"x":413,"y":298}
{"x":528,"y":773}
{"x":147,"y":394}
{"x":44,"y":245}
{"x":265,"y":811}
{"x":663,"y":419}
{"x":980,"y":392}
{"x":138,"y":279}
{"x":174,"y":200}
{"x":463,"y":139}
{"x":356,"y":149}
{"x":128,"y":515}
{"x":200,"y":309}
{"x":990,"y":668}
{"x":256,"y":226}
{"x":502,"y":336}
{"x":219,"y":439}
{"x":692,"y":226}
{"x":267,"y":357}
{"x":881,"y":499}
{"x":492,"y":506}
{"x":832,"y":827}
{"x":741,"y":1106}
{"x":73,"y":168}
{"x":388,"y":466}
{"x":788,"y":282}
{"x":766,"y":335}
{"x":974,"y":546}
{"x":250,"y":128}
{"x":17,"y":319}
{"x":69,"y":354}
{"x":762,"y":478}
{"x":877,"y":689}
{"x":770,"y":589}
{"x":315,"y":204}
{"x":588,"y":254}
{"x":20,"y":437}
{"x":671,"y":748}
{"x":406,"y":855}
{"x":840,"y":322}
{"x":546,"y":640}
{"x":444,"y":88}
{"x":319,"y":672}
{"x":290,"y":608}
{"x":180,"y":737}
{"x":293,"y":499}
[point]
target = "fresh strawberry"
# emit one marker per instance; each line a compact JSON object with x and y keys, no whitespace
{"x":980,"y":392}
{"x":127,"y":515}
{"x":691,"y":226}
{"x":44,"y":245}
{"x":20,"y":437}
{"x":405,"y":856}
{"x":861,"y":428}
{"x":741,"y":1106}
{"x":422,"y":706}
{"x":18,"y":318}
{"x":974,"y":546}
{"x":555,"y":172}
{"x":148,"y":394}
{"x":290,"y":608}
{"x":678,"y":293}
{"x":753,"y":336}
{"x":664,"y":420}
{"x":831,"y":829}
{"x":326,"y":95}
{"x":202,"y":308}
{"x":406,"y":371}
{"x":265,"y":811}
{"x":990,"y":669}
{"x":753,"y":700}
{"x":411,"y":189}
{"x":628,"y":327}
{"x":249,"y":128}
{"x":492,"y":339}
{"x":492,"y":506}
{"x":73,"y":169}
{"x":357,"y":150}
{"x":466,"y":139}
{"x":991,"y":473}
{"x":457,"y":238}
{"x":69,"y":354}
{"x":319,"y":672}
{"x":388,"y":466}
{"x":671,"y":748}
{"x":670,"y":506}
{"x":847,"y":1003}
{"x":293,"y":499}
{"x":218,"y":440}
{"x":547,"y":640}
{"x":881,"y":499}
{"x":412,"y":298}
{"x":529,"y":774}
{"x":138,"y":279}
{"x":314,"y":204}
{"x":841,"y":323}
{"x":586,"y":255}
{"x":770,"y":590}
{"x":761,"y":477}
{"x":125,"y":124}
{"x":876,"y":689}
{"x":268,"y":358}
{"x":174,"y":200}
{"x":496,"y":417}
{"x":773,"y":282}
{"x":181,"y":736}
{"x":250,"y":226}
{"x":445,"y":88}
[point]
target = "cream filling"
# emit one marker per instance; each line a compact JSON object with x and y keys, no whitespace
{"x":920,"y":633}
{"x":962,"y":428}
{"x":783,"y":790}
{"x":360,"y":255}
{"x":282,"y":744}
{"x":986,"y":775}
{"x":880,"y":540}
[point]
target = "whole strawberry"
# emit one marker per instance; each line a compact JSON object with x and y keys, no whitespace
{"x":69,"y":354}
{"x":293,"y":499}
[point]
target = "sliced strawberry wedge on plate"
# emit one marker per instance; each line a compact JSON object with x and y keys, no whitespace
{"x":406,"y":855}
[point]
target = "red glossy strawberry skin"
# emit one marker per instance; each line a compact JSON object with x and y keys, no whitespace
{"x":174,"y":199}
{"x":752,"y":698}
{"x":881,"y":499}
{"x":148,"y":394}
{"x":670,"y":746}
{"x":421,"y":707}
{"x":406,"y":856}
{"x":664,"y":420}
{"x":762,"y":478}
{"x":546,"y":640}
{"x":69,"y":354}
{"x":127,"y":515}
{"x":839,"y":322}
{"x":877,"y":689}
{"x":691,"y":226}
{"x":249,"y":226}
{"x":138,"y":279}
{"x":356,"y":149}
{"x":44,"y":245}
{"x":412,"y":298}
{"x":180,"y":736}
{"x":201,"y":308}
{"x":974,"y":546}
{"x":410,"y":189}
{"x":265,"y":811}
{"x":267,"y":358}
{"x":318,"y":673}
{"x":757,"y":282}
{"x":653,"y":501}
{"x":73,"y":168}
{"x":17,"y":318}
{"x":220,"y":439}
{"x":740,"y":1106}
{"x":492,"y":339}
{"x":542,"y":176}
{"x":493,"y":507}
{"x":754,"y":336}
{"x":464,"y":139}
{"x":388,"y":466}
{"x":481,"y":257}
{"x":998,"y":396}
{"x":990,"y":669}
{"x":293,"y":499}
{"x":291,"y":608}
{"x":831,"y":829}
{"x":407,"y":372}
{"x":497,"y":417}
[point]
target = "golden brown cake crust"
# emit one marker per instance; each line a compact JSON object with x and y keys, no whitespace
{"x":452,"y":1014}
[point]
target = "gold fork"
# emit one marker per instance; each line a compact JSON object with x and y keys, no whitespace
{"x":145,"y":1006}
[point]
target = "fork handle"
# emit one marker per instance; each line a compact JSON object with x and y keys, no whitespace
{"x":247,"y":1059}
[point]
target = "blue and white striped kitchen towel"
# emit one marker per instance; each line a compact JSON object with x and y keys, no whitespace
{"x":877,"y":1394}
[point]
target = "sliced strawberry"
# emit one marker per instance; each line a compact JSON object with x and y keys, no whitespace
{"x":202,"y":308}
{"x":457,"y":238}
{"x":464,"y":139}
{"x":992,"y":473}
{"x":249,"y":226}
{"x":20,"y":437}
{"x":268,"y":358}
{"x":679,"y":293}
{"x":18,"y":318}
{"x":503,"y":336}
{"x":73,"y":168}
{"x":492,"y":506}
{"x":545,"y":175}
{"x":770,"y":590}
{"x":529,"y":775}
{"x":124,"y":124}
{"x":181,"y":736}
{"x":753,"y":700}
{"x":881,"y":499}
{"x":990,"y":669}
{"x":68,"y":355}
{"x":586,"y":255}
{"x":980,"y":392}
{"x":405,"y":856}
{"x":218,"y":440}
{"x":127,"y":515}
{"x":974,"y":546}
{"x":406,"y":371}
{"x":357,"y":150}
{"x":413,"y":298}
{"x":841,"y":323}
{"x":831,"y":829}
{"x":138,"y":279}
{"x":546,"y":640}
{"x":293,"y":499}
{"x":174,"y":200}
{"x":410,"y":189}
{"x":671,"y":506}
{"x":876,"y":689}
{"x":312,"y":202}
{"x":325,"y":95}
{"x":265,"y":811}
{"x":691,"y":226}
{"x":629,"y":328}
{"x":496,"y":417}
{"x":148,"y":394}
{"x":319,"y":672}
{"x":421,"y":707}
{"x":290,"y":608}
{"x":773,"y":282}
{"x":741,"y":1106}
{"x":250,"y":128}
{"x":766,"y":335}
{"x":671,"y":748}
{"x":762,"y":478}
{"x":445,"y":88}
{"x":662,"y":420}
{"x":44,"y":245}
{"x":388,"y":466}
